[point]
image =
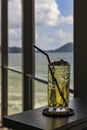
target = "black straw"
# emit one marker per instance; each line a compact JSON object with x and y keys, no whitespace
{"x":54,"y":79}
{"x":43,"y":53}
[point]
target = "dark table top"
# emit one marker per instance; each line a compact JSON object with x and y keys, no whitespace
{"x":34,"y":119}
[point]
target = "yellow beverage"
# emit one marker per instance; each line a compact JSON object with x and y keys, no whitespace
{"x":58,"y":95}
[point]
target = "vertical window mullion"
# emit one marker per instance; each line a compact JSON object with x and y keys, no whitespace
{"x":28,"y":55}
{"x":80,"y":48}
{"x":4,"y":55}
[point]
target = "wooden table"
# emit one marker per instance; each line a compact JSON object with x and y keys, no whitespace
{"x":35,"y":120}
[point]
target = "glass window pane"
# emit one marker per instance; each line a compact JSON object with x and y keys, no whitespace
{"x":14,"y":92}
{"x":14,"y":56}
{"x":53,"y":34}
{"x":15,"y":33}
{"x":40,"y":94}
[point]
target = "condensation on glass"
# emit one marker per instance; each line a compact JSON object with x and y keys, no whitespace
{"x":58,"y":88}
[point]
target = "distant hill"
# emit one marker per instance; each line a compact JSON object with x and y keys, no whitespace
{"x":14,"y":49}
{"x":65,"y":48}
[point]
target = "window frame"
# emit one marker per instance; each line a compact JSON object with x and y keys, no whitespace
{"x":80,"y":48}
{"x":80,"y":51}
{"x":27,"y":61}
{"x":4,"y":57}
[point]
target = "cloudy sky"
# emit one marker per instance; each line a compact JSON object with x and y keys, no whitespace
{"x":53,"y":23}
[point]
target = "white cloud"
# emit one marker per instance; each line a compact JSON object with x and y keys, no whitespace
{"x":14,"y":22}
{"x":48,"y":13}
{"x":15,"y":37}
{"x":66,"y":20}
{"x":14,"y":13}
{"x":36,"y":36}
{"x":44,"y":41}
{"x":64,"y":37}
{"x":54,"y":40}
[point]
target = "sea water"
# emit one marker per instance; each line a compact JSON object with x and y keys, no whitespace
{"x":41,"y":62}
{"x":41,"y":69}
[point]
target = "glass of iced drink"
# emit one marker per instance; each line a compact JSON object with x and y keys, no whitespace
{"x":58,"y":86}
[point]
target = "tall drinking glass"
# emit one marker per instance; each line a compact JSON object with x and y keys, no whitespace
{"x":58,"y":91}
